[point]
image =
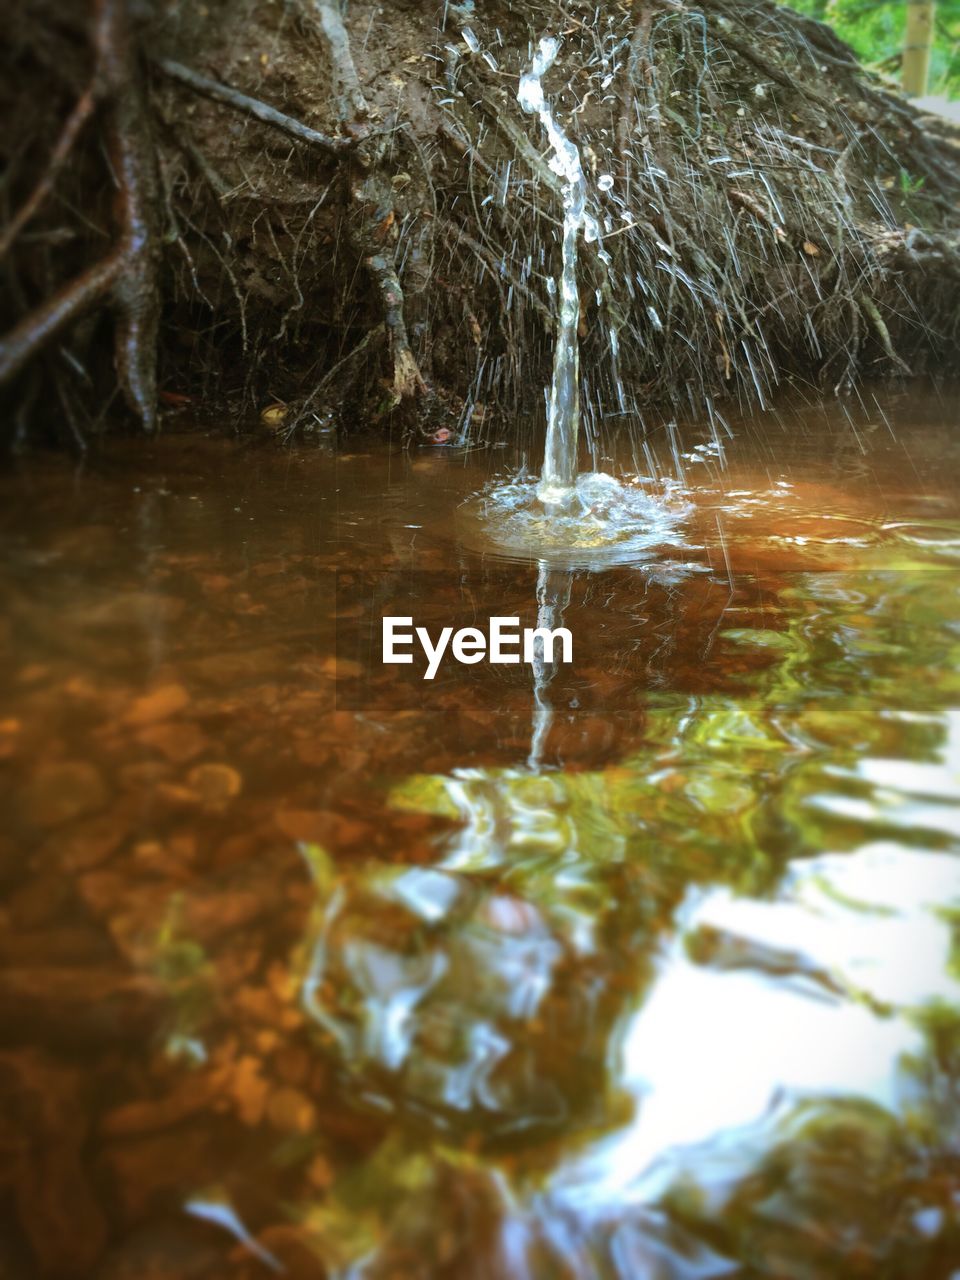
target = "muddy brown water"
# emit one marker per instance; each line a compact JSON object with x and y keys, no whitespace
{"x":305,"y":970}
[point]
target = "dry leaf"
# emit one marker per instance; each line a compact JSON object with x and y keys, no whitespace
{"x":273,"y":415}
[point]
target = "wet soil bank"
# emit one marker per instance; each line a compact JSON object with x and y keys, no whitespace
{"x":346,"y":214}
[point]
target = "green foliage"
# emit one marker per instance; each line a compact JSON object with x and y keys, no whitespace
{"x":874,"y":29}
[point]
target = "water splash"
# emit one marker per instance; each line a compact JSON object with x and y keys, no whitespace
{"x":602,"y":521}
{"x":566,"y":518}
{"x":563,"y":417}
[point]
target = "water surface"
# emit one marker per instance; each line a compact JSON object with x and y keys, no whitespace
{"x":645,"y":966}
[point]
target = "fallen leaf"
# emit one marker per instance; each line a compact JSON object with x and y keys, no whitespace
{"x":273,"y":415}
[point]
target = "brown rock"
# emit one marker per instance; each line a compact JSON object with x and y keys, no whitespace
{"x":143,"y":774}
{"x":209,"y":915}
{"x":173,"y":796}
{"x":320,"y":826}
{"x":9,"y":737}
{"x":191,"y":1095}
{"x":320,"y":1173}
{"x":158,"y":704}
{"x":214,"y":583}
{"x":178,"y":742}
{"x":302,"y":824}
{"x":249,"y":1090}
{"x":238,"y":848}
{"x":169,"y":858}
{"x":290,"y":1111}
{"x":91,"y":842}
{"x":230,"y":670}
{"x":55,"y":1203}
{"x":78,"y":1006}
{"x":341,"y":668}
{"x":60,"y":792}
{"x":215,"y":784}
{"x":132,"y":609}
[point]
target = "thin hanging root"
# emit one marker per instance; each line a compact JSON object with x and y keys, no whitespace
{"x":372,"y":197}
{"x":253,"y":107}
{"x":135,"y":294}
{"x":64,"y":145}
{"x":127,"y":278}
{"x":352,"y":105}
{"x":407,"y":380}
{"x":46,"y":321}
{"x":870,"y":309}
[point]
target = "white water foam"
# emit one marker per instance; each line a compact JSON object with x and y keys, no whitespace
{"x":603,"y":520}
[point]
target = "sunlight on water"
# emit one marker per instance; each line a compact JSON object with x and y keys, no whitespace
{"x":834,"y":969}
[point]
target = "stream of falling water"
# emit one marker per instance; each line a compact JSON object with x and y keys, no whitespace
{"x":563,"y":420}
{"x":568,"y":518}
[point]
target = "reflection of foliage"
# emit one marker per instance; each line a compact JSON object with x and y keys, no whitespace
{"x":523,"y":951}
{"x":847,"y":1191}
{"x":406,"y":1213}
{"x":937,"y":1074}
{"x":183,"y":967}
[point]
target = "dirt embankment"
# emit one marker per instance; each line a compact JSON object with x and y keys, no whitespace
{"x":351,"y":215}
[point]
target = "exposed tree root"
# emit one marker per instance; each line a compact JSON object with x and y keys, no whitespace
{"x":372,"y":227}
{"x":43,"y":324}
{"x":135,"y":295}
{"x":64,"y":145}
{"x":126,"y":279}
{"x":869,"y":308}
{"x":253,"y":107}
{"x":766,"y":211}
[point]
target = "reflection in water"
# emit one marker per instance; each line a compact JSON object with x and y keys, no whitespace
{"x":773,"y":1007}
{"x":829,"y":969}
{"x":553,"y":596}
{"x":303,"y":969}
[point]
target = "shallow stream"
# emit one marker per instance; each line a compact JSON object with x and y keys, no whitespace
{"x":645,"y":966}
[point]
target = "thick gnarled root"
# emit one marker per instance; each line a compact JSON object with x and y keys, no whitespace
{"x":126,"y":279}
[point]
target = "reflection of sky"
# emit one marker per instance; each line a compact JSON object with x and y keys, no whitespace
{"x":757,"y":1004}
{"x":809,"y":998}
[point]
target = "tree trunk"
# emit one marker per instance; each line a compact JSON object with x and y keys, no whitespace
{"x":917,"y":44}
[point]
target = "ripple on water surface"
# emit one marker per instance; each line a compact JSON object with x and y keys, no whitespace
{"x":599,"y":521}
